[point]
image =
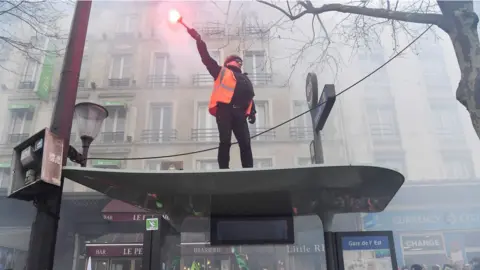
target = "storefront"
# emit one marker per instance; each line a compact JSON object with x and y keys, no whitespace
{"x":115,"y":256}
{"x":431,"y":236}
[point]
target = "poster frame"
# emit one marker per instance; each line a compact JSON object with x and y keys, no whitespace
{"x":339,"y":248}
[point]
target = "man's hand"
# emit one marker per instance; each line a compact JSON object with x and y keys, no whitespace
{"x":252,"y":118}
{"x":194,"y":34}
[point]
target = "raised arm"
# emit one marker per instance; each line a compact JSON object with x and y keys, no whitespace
{"x":212,"y":65}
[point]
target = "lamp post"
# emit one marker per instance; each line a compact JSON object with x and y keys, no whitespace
{"x":89,"y":118}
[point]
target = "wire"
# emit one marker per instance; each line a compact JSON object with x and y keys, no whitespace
{"x":284,"y":122}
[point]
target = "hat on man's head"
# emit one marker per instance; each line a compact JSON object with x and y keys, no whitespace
{"x":231,"y":58}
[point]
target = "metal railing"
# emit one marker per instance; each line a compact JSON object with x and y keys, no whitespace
{"x":159,"y":81}
{"x":384,"y":133}
{"x":211,"y":30}
{"x":119,"y":82}
{"x":260,"y":78}
{"x":158,"y":135}
{"x":301,"y":133}
{"x":14,"y":138}
{"x":112,"y":137}
{"x":202,"y":80}
{"x":264,"y":137}
{"x":205,"y":134}
{"x":26,"y":85}
{"x":252,"y":31}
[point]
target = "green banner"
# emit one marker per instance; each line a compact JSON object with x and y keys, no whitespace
{"x":101,"y":162}
{"x":44,"y":84}
{"x":18,"y":106}
{"x":5,"y":164}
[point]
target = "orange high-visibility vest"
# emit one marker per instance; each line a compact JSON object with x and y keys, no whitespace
{"x":223,"y":89}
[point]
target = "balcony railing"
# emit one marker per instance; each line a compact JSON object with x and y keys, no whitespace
{"x":119,"y":82}
{"x":450,"y":136}
{"x":112,"y":137}
{"x":268,"y":136}
{"x":260,"y":78}
{"x":252,"y":31}
{"x":26,"y":85}
{"x":211,"y":30}
{"x":202,"y":80}
{"x":159,"y":81}
{"x":384,"y":134}
{"x":301,"y":133}
{"x":14,"y":138}
{"x":81,"y":83}
{"x":158,"y":135}
{"x":205,"y":134}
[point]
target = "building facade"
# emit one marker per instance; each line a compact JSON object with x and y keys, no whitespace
{"x":148,"y":75}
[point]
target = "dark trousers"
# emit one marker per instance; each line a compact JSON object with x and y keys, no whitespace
{"x":230,"y":118}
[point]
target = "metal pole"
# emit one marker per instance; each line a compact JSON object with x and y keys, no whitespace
{"x":43,"y":236}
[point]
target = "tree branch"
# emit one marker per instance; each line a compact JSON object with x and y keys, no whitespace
{"x":424,"y":18}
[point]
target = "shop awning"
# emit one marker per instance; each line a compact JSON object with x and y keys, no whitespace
{"x":102,"y":162}
{"x":21,"y":106}
{"x":115,"y":104}
{"x":5,"y":164}
{"x":117,"y":210}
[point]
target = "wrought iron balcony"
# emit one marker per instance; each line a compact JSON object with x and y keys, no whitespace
{"x":112,"y":137}
{"x":205,"y":134}
{"x":202,"y":79}
{"x":158,"y":135}
{"x":15,"y":138}
{"x":211,"y":30}
{"x":119,"y":82}
{"x":301,"y":133}
{"x":384,"y":134}
{"x":268,"y":136}
{"x":260,"y":78}
{"x":159,"y":81}
{"x":26,"y":85}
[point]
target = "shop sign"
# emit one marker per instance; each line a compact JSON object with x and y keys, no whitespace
{"x":423,"y":220}
{"x":114,"y":251}
{"x":306,"y":248}
{"x":422,"y":242}
{"x":120,"y":217}
{"x":205,"y":250}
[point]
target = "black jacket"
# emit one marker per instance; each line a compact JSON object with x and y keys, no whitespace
{"x":243,"y":92}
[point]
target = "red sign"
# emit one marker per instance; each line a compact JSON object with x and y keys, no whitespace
{"x":115,"y":251}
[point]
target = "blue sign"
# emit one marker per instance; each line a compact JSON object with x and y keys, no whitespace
{"x":365,"y":242}
{"x":456,"y":219}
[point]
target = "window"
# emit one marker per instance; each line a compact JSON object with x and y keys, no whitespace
{"x":29,"y":75}
{"x":161,"y":118}
{"x":254,"y":63}
{"x":207,"y":164}
{"x":157,"y":166}
{"x":4,"y":177}
{"x":457,"y":165}
{"x":262,"y":163}
{"x":446,"y":122}
{"x":262,"y":122}
{"x":382,"y":122}
{"x":20,"y":125}
{"x":304,"y":161}
{"x":159,"y":71}
{"x":391,"y":160}
{"x":129,"y":24}
{"x":302,"y":126}
{"x":206,"y":127}
{"x":114,"y":125}
{"x":121,"y":70}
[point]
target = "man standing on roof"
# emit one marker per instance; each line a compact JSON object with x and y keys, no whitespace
{"x":231,"y":103}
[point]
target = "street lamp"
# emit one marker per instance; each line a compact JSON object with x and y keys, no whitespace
{"x":89,"y":117}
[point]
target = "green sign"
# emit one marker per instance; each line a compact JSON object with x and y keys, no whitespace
{"x":114,"y":103}
{"x":17,"y":106}
{"x":151,"y":224}
{"x":46,"y":74}
{"x":5,"y":164}
{"x":102,"y":162}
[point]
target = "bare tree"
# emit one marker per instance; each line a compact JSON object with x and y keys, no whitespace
{"x":26,"y":24}
{"x":456,"y":18}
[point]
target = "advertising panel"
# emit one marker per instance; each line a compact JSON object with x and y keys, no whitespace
{"x":366,"y":251}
